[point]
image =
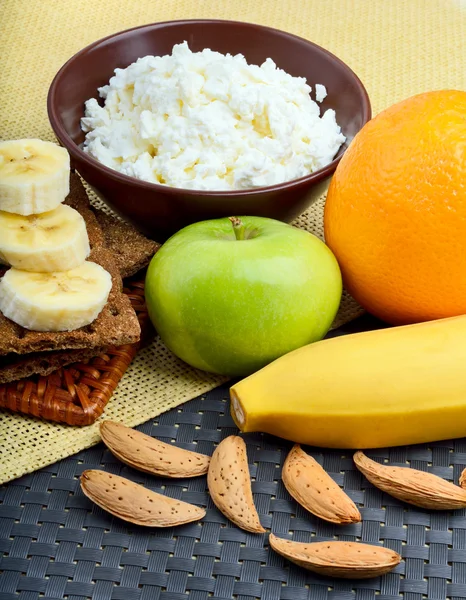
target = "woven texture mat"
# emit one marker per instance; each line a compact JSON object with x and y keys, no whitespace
{"x":397,"y":47}
{"x":57,"y":544}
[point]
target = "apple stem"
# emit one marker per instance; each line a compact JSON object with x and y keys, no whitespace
{"x":238,"y":227}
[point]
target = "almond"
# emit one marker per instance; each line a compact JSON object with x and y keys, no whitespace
{"x":230,"y":485}
{"x":313,"y":488}
{"x":462,"y":480}
{"x":412,"y":486}
{"x":132,"y":502}
{"x":150,"y":455}
{"x":351,"y":560}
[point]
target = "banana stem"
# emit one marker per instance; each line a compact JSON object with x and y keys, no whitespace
{"x":238,"y":227}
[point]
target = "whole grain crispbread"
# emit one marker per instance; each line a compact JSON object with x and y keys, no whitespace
{"x":116,"y":325}
{"x":18,"y":366}
{"x":131,"y":250}
{"x":77,"y":199}
{"x":102,"y":230}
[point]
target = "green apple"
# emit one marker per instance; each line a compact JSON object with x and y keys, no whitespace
{"x":231,"y":295}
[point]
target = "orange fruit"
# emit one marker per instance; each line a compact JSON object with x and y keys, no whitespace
{"x":395,"y":215}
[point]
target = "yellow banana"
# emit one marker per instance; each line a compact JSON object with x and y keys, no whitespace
{"x":60,"y":301}
{"x":402,"y":385}
{"x":34,"y":176}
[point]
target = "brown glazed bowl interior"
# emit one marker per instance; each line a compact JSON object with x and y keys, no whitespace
{"x":161,"y":210}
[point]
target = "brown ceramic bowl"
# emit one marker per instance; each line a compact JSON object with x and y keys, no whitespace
{"x":160,"y":210}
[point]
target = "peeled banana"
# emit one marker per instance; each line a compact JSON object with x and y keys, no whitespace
{"x":60,"y":301}
{"x":396,"y":386}
{"x":34,"y":176}
{"x":56,"y":240}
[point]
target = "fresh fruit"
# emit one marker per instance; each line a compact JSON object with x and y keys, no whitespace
{"x":52,"y":241}
{"x":308,"y":483}
{"x":150,"y":455}
{"x":60,"y":301}
{"x":231,"y":297}
{"x":400,"y":385}
{"x":395,"y":215}
{"x":350,"y":560}
{"x":412,"y":486}
{"x":230,"y":485}
{"x":34,"y":176}
{"x":131,"y":502}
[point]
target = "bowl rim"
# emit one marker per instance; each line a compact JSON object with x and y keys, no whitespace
{"x":76,"y":152}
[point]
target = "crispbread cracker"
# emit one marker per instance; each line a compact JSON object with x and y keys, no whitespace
{"x":131,"y":250}
{"x":102,"y":230}
{"x":116,"y":325}
{"x":14,"y":367}
{"x":78,"y":200}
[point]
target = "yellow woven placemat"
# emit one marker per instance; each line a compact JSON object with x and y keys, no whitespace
{"x":397,"y":47}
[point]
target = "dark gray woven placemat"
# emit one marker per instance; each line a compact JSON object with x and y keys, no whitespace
{"x":56,"y":544}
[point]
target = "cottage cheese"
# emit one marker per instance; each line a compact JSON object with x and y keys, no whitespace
{"x":209,"y":121}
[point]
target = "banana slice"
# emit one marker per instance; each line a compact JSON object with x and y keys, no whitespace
{"x":34,"y":176}
{"x":60,"y":301}
{"x":52,"y":241}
